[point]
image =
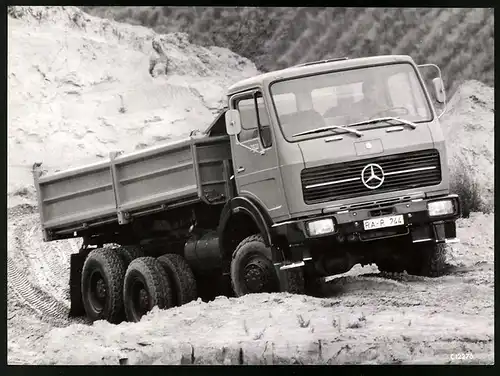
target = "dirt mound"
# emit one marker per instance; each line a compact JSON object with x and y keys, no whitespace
{"x":364,"y":317}
{"x":271,"y":329}
{"x":80,"y":86}
{"x":469,"y":130}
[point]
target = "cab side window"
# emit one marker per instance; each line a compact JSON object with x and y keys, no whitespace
{"x":248,"y":115}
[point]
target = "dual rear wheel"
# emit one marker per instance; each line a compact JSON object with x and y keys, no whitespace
{"x":119,"y":284}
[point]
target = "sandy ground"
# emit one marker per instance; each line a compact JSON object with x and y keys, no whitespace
{"x":364,"y":316}
{"x":69,"y":75}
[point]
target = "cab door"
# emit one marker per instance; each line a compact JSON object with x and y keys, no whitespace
{"x":255,"y":160}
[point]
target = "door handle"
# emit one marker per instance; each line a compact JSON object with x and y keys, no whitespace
{"x":241,"y":169}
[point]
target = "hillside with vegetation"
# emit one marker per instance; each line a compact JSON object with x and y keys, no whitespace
{"x":459,"y":40}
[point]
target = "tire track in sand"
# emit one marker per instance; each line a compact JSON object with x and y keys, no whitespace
{"x":22,"y":293}
{"x":37,"y":277}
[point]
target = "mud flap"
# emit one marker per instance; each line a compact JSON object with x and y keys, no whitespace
{"x":75,"y":286}
{"x":284,"y":280}
{"x":292,"y":280}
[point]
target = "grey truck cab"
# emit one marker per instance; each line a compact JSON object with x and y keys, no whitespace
{"x":348,"y":159}
{"x":309,"y":171}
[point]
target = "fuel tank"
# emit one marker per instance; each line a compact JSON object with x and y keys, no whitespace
{"x":202,"y":252}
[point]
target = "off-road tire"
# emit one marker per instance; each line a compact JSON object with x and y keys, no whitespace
{"x":252,"y":247}
{"x":108,"y":265}
{"x":148,"y":273}
{"x":429,"y":260}
{"x":181,"y":278}
{"x":129,"y":253}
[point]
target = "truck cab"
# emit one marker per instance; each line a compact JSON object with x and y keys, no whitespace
{"x":343,"y":154}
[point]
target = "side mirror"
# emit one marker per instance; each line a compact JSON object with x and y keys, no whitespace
{"x":439,"y":90}
{"x":233,"y":122}
{"x":439,"y":93}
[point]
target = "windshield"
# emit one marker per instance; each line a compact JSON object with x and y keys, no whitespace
{"x":347,"y":97}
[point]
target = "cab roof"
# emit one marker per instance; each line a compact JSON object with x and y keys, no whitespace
{"x":312,"y":68}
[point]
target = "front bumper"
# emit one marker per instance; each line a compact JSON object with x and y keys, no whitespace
{"x":349,"y":226}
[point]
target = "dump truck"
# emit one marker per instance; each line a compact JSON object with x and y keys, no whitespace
{"x":307,"y":172}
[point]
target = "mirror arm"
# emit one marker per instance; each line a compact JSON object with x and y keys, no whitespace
{"x":442,"y":112}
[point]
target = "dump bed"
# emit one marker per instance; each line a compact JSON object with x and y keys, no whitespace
{"x":134,"y":184}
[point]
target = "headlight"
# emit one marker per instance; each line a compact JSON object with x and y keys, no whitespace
{"x":438,"y":208}
{"x":320,"y":227}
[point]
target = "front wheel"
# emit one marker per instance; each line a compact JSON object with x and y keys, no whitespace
{"x":252,"y":270}
{"x":429,"y":260}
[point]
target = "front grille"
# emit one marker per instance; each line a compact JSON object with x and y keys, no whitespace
{"x":343,"y":180}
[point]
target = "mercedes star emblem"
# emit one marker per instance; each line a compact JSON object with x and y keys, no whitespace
{"x":372,"y":176}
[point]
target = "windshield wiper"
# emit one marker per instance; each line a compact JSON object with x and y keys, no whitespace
{"x":330,"y":128}
{"x":389,"y":118}
{"x":357,"y":133}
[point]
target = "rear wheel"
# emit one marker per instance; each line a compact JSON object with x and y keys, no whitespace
{"x":129,"y":253}
{"x":102,"y":284}
{"x":181,"y":278}
{"x":146,"y":286}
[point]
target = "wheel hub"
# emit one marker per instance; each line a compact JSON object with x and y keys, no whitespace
{"x":143,"y":300}
{"x":140,"y":298}
{"x":98,"y":291}
{"x":256,"y":275}
{"x":101,"y":289}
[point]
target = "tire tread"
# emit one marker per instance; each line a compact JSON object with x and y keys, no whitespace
{"x":294,"y":279}
{"x":114,"y":269}
{"x":180,"y":277}
{"x":129,"y":253}
{"x":156,"y":280}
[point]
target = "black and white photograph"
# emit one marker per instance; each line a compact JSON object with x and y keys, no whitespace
{"x":216,"y":185}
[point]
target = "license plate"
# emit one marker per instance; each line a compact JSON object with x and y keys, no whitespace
{"x":383,"y":222}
